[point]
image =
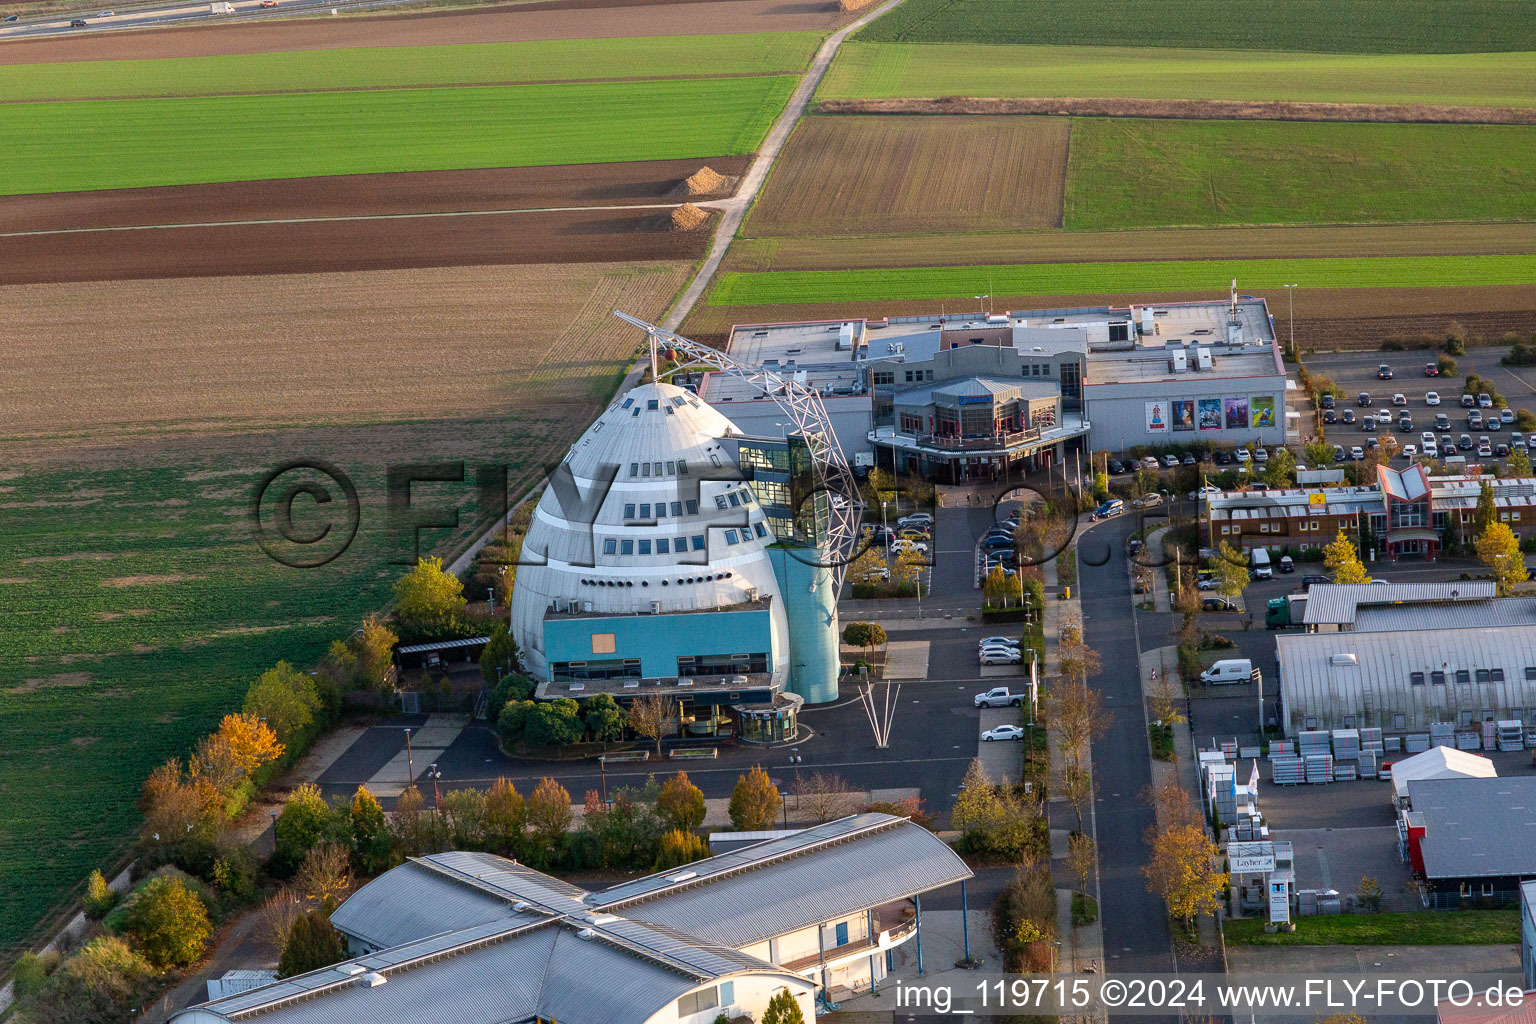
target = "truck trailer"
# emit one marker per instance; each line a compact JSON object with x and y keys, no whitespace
{"x":221,"y":8}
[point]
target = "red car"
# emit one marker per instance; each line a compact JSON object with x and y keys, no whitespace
{"x":269,"y":3}
{"x":1431,"y":370}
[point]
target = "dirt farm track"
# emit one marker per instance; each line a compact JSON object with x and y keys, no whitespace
{"x":552,"y":19}
{"x":368,"y":222}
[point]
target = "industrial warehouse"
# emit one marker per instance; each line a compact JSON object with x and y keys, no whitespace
{"x":989,"y":396}
{"x":479,"y":939}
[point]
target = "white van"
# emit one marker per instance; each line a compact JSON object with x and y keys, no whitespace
{"x":1258,"y":562}
{"x":1231,"y":671}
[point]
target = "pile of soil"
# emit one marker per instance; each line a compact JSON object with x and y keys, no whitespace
{"x":853,"y":5}
{"x":688,"y":217}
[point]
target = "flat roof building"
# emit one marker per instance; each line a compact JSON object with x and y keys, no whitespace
{"x":1473,"y":837}
{"x":479,"y":939}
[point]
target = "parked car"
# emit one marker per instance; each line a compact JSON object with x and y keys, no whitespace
{"x":1517,"y":438}
{"x":1115,"y":466}
{"x":1368,"y":424}
{"x":1003,"y":732}
{"x":1187,"y":460}
{"x":1484,"y":449}
{"x":1409,"y":451}
{"x":1399,"y":399}
{"x":1204,"y":491}
{"x":1501,"y":449}
{"x":901,"y":545}
{"x":1364,"y":399}
{"x":1431,"y":370}
{"x":1329,"y":416}
{"x":1430,"y":450}
{"x":999,"y":656}
{"x":1148,"y":500}
{"x":1287,"y":564}
{"x":1384,"y":372}
{"x":1327,"y":401}
{"x":1465,"y":443}
{"x":1260,"y":455}
{"x":1170,"y":460}
{"x":1242,"y":455}
{"x":1347,"y":416}
{"x":916,"y":519}
{"x":1405,"y":423}
{"x":1484,"y":401}
{"x":996,"y":542}
{"x":1307,"y":581}
{"x":1431,"y":398}
{"x":1506,"y":415}
{"x":1492,"y":423}
{"x":1468,"y":401}
{"x":1357,"y":453}
{"x":1224,"y":458}
{"x":1442,"y":422}
{"x":1339,"y":454}
{"x":1150,"y":462}
{"x":999,"y":697}
{"x":1475,"y":420}
{"x":1207,"y":583}
{"x":1217,"y":604}
{"x":1447,"y":444}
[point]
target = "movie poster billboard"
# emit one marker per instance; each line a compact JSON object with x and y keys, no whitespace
{"x":1157,"y":417}
{"x":1209,"y":413}
{"x":1183,"y":413}
{"x":1237,"y":414}
{"x":1262,"y":409}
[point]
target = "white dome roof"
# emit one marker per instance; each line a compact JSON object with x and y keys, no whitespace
{"x":649,"y":473}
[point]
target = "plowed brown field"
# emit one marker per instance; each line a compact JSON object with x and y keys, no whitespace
{"x":906,"y":174}
{"x":1326,"y":318}
{"x":357,"y":195}
{"x":600,"y":19}
{"x":122,"y":360}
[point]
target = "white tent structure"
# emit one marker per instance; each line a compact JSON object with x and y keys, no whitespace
{"x":1438,"y":763}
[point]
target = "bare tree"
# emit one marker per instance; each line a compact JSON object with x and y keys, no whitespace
{"x":325,"y":877}
{"x":1077,"y":786}
{"x":1165,"y":699}
{"x":650,"y":715}
{"x":824,"y":797}
{"x":1077,"y":710}
{"x":278,"y":913}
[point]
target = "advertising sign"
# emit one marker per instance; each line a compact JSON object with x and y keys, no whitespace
{"x":1262,"y":408}
{"x":1210,"y":413}
{"x":1157,"y":417}
{"x":1183,"y":413}
{"x":1237,"y":414}
{"x":1279,"y":903}
{"x":1251,"y":857}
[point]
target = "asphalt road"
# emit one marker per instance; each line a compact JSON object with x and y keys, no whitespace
{"x":1136,"y":935}
{"x":1356,"y":371}
{"x":162,"y":15}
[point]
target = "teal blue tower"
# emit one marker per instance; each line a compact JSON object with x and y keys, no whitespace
{"x":810,"y":606}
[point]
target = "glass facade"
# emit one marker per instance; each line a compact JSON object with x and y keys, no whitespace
{"x":777,"y":724}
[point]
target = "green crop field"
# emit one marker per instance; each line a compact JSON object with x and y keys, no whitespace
{"x":552,"y":60}
{"x":884,"y":70}
{"x":98,"y":144}
{"x":1128,"y":172}
{"x":138,"y":608}
{"x":1329,"y":26}
{"x":891,"y":285}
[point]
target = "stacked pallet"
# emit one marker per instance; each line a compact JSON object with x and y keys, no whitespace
{"x":1370,"y":741}
{"x":1416,"y":743}
{"x":1289,"y":771}
{"x":1314,"y":741}
{"x":1473,"y":741}
{"x":1281,"y":748}
{"x":1345,"y":771}
{"x":1228,"y":749}
{"x":1441,"y":734}
{"x":1391,"y":744}
{"x":1368,"y":762}
{"x":1511,"y":735}
{"x":1319,"y":768}
{"x":1346,"y":744}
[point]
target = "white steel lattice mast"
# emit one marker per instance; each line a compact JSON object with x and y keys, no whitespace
{"x":803,"y":403}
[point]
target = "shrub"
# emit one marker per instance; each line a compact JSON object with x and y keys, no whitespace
{"x":31,"y":972}
{"x":95,"y":986}
{"x":312,"y":943}
{"x":678,"y":848}
{"x":98,"y":897}
{"x":305,"y":820}
{"x":168,"y":922}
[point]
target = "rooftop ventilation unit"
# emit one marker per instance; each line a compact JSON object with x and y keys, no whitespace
{"x":682,"y":876}
{"x":1178,"y":360}
{"x":353,"y":970}
{"x":373,"y":979}
{"x":587,"y":934}
{"x":1344,"y":659}
{"x":1203,"y":360}
{"x":520,"y":906}
{"x":1148,"y":324}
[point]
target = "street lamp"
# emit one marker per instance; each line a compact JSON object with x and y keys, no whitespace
{"x":987,"y":302}
{"x":784,"y":803}
{"x":434,"y":774}
{"x":410,"y":767}
{"x":1054,"y":947}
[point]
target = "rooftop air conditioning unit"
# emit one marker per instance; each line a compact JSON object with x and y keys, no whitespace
{"x":751,"y":593}
{"x":655,"y":607}
{"x":1148,"y":324}
{"x":1203,"y":359}
{"x":1178,"y":360}
{"x":557,"y":605}
{"x":586,"y":606}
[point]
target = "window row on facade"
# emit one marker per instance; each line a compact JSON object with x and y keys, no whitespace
{"x":678,"y":545}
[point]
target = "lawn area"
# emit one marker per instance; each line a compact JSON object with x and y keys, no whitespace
{"x":1332,"y":26}
{"x":1416,"y":928}
{"x":1131,"y":172}
{"x":375,"y":67}
{"x":908,"y":283}
{"x":885,"y":70}
{"x":132,"y":143}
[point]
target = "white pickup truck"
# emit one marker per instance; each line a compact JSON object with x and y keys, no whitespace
{"x":1000,"y":697}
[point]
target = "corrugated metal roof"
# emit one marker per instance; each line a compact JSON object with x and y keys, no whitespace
{"x":1336,"y":603}
{"x":443,"y":645}
{"x":775,"y":887}
{"x":1462,"y":614}
{"x":1330,"y":675}
{"x":1477,"y":828}
{"x":413,"y":901}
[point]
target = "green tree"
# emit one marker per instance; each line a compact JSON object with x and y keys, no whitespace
{"x":1319,"y":453}
{"x":31,"y":972}
{"x":678,"y":848}
{"x":680,"y":803}
{"x":167,"y":922}
{"x":549,"y":813}
{"x":1519,"y":463}
{"x":411,"y":828}
{"x":99,"y":898}
{"x":602,"y":718}
{"x":501,"y":653}
{"x":512,"y":721}
{"x":554,"y":723}
{"x":1231,"y":567}
{"x":783,"y":1009}
{"x":370,"y":833}
{"x":429,"y":600}
{"x":867,"y":635}
{"x":1499,"y":549}
{"x":1342,"y":561}
{"x":288,"y":699}
{"x":464,"y":810}
{"x":1487,"y":512}
{"x":374,"y":646}
{"x":305,"y":820}
{"x":1280,"y":470}
{"x":754,"y":802}
{"x":312,"y":943}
